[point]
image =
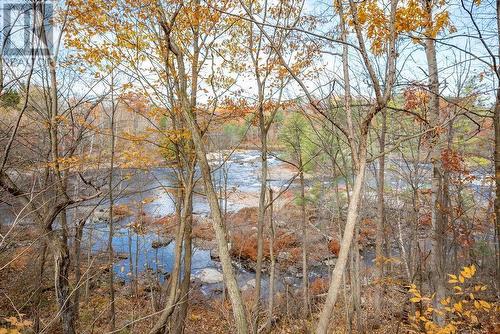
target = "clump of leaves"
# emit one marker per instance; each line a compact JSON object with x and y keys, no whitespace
{"x":15,"y":325}
{"x":461,"y":309}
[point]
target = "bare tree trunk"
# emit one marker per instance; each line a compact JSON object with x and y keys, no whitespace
{"x":59,"y":243}
{"x":359,"y":159}
{"x":136,"y":267}
{"x":446,"y":201}
{"x":130,"y":261}
{"x":272,"y":268}
{"x":496,"y":122}
{"x":217,"y":220}
{"x":305,"y":277}
{"x":174,"y":276}
{"x":352,"y":216}
{"x":356,"y":284}
{"x":37,"y":296}
{"x":188,"y":110}
{"x":183,"y":303}
{"x":89,"y":255}
{"x":219,"y":228}
{"x":62,"y":286}
{"x":111,"y":209}
{"x":261,"y":214}
{"x":78,"y":270}
{"x":379,"y":238}
{"x":437,"y":252}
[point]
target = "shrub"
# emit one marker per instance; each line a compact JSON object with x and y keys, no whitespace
{"x":285,"y":241}
{"x":122,"y":210}
{"x":203,"y":231}
{"x":318,"y":286}
{"x":334,"y":247}
{"x":461,"y":309}
{"x":245,"y":247}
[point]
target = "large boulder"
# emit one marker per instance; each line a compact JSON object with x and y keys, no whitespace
{"x":209,"y":276}
{"x":161,"y":243}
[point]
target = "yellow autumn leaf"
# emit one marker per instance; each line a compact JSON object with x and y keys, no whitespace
{"x":445,"y":301}
{"x":477,"y":305}
{"x":485,"y":304}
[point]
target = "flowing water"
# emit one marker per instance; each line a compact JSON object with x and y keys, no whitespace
{"x":242,"y":174}
{"x":149,"y":189}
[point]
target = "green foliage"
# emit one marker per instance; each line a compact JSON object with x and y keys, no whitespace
{"x":298,"y":139}
{"x":481,"y":248}
{"x":234,"y":132}
{"x":10,"y":99}
{"x":279,"y":117}
{"x":164,"y":122}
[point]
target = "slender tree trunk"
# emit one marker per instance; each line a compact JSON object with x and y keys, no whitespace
{"x":180,"y":319}
{"x":37,"y":296}
{"x":437,"y":219}
{"x":359,"y":159}
{"x":188,"y":110}
{"x":379,"y":239}
{"x":352,"y":216}
{"x":219,"y":228}
{"x":77,"y":266}
{"x":447,"y":206}
{"x":356,"y":284}
{"x":130,"y":261}
{"x":111,"y":223}
{"x":89,"y":255}
{"x":270,"y":307}
{"x":62,"y":286}
{"x":350,"y":268}
{"x":183,"y":302}
{"x":136,"y":267}
{"x":174,"y":277}
{"x":261,"y":216}
{"x":496,"y":122}
{"x":59,"y":243}
{"x":305,"y":276}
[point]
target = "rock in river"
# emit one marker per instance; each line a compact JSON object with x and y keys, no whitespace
{"x":209,"y":276}
{"x":214,"y":254}
{"x":161,"y":243}
{"x":249,"y":285}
